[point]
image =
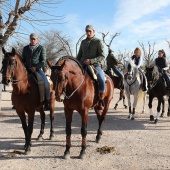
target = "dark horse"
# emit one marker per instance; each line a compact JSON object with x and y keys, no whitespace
{"x":70,"y":79}
{"x":117,"y":81}
{"x":25,"y":95}
{"x":157,"y":89}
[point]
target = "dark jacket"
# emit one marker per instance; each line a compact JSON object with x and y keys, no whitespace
{"x":37,"y":59}
{"x":161,"y":62}
{"x":111,"y":61}
{"x":92,"y":49}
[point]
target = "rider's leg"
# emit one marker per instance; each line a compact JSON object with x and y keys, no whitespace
{"x":166,"y":76}
{"x":118,"y":73}
{"x":102,"y":85}
{"x":144,"y":80}
{"x":47,"y":88}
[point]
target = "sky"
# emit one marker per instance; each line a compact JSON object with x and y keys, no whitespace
{"x":135,"y":20}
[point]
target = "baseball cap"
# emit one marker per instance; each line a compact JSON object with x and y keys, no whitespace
{"x":89,"y":27}
{"x":34,"y":35}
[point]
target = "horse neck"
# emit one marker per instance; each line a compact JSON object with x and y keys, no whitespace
{"x":20,"y":78}
{"x":75,"y":77}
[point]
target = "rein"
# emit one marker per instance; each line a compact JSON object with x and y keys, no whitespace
{"x":68,"y":97}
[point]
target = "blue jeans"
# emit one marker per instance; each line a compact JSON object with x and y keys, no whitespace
{"x":101,"y":79}
{"x":47,"y":84}
{"x":117,"y":72}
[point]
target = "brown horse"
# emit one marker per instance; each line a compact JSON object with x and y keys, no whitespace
{"x":117,"y":81}
{"x":74,"y":83}
{"x":25,"y":95}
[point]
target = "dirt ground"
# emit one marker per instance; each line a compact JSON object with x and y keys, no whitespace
{"x":139,"y":144}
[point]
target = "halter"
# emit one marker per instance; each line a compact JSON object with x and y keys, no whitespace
{"x":64,"y":92}
{"x":11,"y":67}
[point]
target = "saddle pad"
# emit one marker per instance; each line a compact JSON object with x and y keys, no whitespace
{"x":91,"y":69}
{"x":41,"y":86}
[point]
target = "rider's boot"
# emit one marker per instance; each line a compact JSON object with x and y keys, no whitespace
{"x":101,"y":102}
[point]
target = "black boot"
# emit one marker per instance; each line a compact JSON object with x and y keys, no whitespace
{"x":46,"y":106}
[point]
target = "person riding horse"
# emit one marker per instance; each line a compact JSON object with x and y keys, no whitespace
{"x":91,"y":52}
{"x":137,"y":60}
{"x":112,"y":63}
{"x":34,"y":58}
{"x":162,"y":64}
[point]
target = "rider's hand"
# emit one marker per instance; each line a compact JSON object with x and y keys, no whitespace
{"x":87,"y":62}
{"x":33,"y":69}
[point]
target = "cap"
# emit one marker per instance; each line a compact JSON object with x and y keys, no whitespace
{"x":89,"y":27}
{"x":33,"y":35}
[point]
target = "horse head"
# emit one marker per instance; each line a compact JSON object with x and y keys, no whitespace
{"x":8,"y":65}
{"x":130,"y":69}
{"x":59,"y":77}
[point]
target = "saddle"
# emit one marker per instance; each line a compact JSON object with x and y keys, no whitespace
{"x":41,"y":85}
{"x":93,"y":73}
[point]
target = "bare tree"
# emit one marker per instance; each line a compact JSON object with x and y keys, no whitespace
{"x":122,"y":57}
{"x":23,"y":11}
{"x":78,"y":42}
{"x":56,"y":45}
{"x":168,"y":43}
{"x":149,"y":54}
{"x":112,"y":37}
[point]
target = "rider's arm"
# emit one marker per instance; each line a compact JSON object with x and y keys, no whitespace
{"x":166,"y":64}
{"x":100,"y":54}
{"x":139,"y":63}
{"x":42,"y":59}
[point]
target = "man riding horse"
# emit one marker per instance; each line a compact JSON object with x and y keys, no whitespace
{"x":91,"y":52}
{"x":34,"y":58}
{"x":112,"y":63}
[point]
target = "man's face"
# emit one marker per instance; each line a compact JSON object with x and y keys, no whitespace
{"x":33,"y":41}
{"x":90,"y":33}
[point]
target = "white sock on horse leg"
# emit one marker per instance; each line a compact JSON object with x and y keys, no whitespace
{"x":158,"y":114}
{"x":151,"y":113}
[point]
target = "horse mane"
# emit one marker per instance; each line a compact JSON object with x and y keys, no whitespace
{"x":73,"y":59}
{"x":156,"y":72}
{"x":136,"y":72}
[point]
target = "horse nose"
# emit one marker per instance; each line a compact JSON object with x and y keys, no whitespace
{"x":7,"y":81}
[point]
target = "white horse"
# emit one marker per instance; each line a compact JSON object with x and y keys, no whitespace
{"x":132,"y":85}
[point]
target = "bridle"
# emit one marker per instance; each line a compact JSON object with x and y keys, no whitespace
{"x":64,"y":89}
{"x":11,"y":64}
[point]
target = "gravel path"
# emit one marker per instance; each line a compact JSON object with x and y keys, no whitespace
{"x":139,"y":144}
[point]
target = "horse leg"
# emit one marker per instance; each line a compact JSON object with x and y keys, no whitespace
{"x":101,"y":118}
{"x":163,"y":107}
{"x":52,"y":107}
{"x":144,"y":99}
{"x":168,"y":114}
{"x":158,"y":110}
{"x":150,"y":108}
{"x":129,"y":104}
{"x":42,"y":115}
{"x":29,"y":131}
{"x":84,"y":116}
{"x":68,"y":115}
{"x":123,"y":96}
{"x":24,"y":123}
{"x":134,"y":106}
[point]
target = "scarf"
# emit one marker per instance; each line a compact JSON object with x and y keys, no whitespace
{"x":33,"y":47}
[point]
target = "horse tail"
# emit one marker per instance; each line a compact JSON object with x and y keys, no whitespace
{"x":141,"y":94}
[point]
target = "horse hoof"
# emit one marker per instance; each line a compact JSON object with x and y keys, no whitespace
{"x":132,"y":118}
{"x":156,"y":121}
{"x":27,"y":151}
{"x":66,"y":155}
{"x":125,"y":107}
{"x":143,"y":112}
{"x":82,"y":155}
{"x":40,"y":138}
{"x":115,"y":108}
{"x":51,"y":137}
{"x":162,"y":115}
{"x":168,"y":114}
{"x":151,"y":118}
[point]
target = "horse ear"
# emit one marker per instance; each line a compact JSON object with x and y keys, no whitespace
{"x":4,"y":51}
{"x":13,"y":51}
{"x":49,"y":64}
